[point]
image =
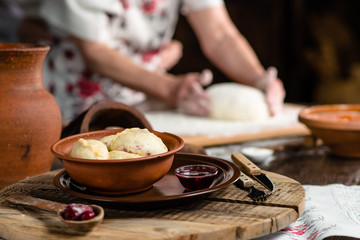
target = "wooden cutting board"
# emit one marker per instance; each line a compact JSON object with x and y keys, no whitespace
{"x":209,"y":132}
{"x":206,"y":141}
{"x":225,"y":214}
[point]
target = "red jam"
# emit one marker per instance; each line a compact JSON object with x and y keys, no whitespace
{"x":78,"y":212}
{"x":196,"y":177}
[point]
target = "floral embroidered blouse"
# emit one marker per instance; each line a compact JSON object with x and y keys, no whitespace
{"x":136,"y":28}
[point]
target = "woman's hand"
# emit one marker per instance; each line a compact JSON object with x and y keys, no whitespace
{"x":191,"y":97}
{"x":274,"y":90}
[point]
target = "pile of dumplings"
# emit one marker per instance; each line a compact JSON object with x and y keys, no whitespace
{"x":130,"y":143}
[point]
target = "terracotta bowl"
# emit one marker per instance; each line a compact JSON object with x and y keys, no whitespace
{"x":117,"y":176}
{"x":337,"y":125}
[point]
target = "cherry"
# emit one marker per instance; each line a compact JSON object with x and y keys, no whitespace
{"x":87,"y":215}
{"x":78,"y":212}
{"x":72,"y":212}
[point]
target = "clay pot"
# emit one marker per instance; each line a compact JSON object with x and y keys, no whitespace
{"x":30,"y":118}
{"x":106,"y":114}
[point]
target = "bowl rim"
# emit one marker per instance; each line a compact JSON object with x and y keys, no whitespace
{"x":114,"y":131}
{"x":323,"y":123}
{"x":214,"y":170}
{"x":23,"y":47}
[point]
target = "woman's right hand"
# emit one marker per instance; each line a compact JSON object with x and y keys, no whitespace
{"x":273,"y":89}
{"x":190,"y":96}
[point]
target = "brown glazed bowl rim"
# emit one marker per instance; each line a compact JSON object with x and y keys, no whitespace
{"x":4,"y":47}
{"x":304,"y":117}
{"x":87,"y":135}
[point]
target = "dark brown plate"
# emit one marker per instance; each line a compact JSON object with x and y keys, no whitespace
{"x":166,"y":189}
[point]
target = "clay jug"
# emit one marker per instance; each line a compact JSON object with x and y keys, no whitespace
{"x":30,"y":118}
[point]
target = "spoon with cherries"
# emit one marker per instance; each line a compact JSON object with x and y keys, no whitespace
{"x":81,"y":217}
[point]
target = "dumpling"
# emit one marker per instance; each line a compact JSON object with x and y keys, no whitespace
{"x":89,"y":149}
{"x":139,"y":141}
{"x":116,"y":154}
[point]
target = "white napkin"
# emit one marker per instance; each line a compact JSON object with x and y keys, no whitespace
{"x":331,"y":210}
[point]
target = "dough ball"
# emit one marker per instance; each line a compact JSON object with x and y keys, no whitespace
{"x":233,"y":101}
{"x":116,"y":154}
{"x":139,"y":141}
{"x":107,"y":140}
{"x":89,"y":149}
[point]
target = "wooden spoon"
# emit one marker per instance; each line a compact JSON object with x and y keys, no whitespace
{"x":83,"y":225}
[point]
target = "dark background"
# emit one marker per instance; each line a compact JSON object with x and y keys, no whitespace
{"x":314,"y":45}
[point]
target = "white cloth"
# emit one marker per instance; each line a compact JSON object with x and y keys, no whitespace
{"x":331,"y":210}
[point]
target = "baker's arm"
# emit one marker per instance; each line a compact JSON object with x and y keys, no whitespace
{"x":227,"y":48}
{"x":224,"y":45}
{"x":174,"y":90}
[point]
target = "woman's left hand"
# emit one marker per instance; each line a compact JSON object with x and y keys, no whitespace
{"x":191,"y":97}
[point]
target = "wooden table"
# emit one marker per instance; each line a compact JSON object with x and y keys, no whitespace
{"x":301,"y":158}
{"x":225,"y":214}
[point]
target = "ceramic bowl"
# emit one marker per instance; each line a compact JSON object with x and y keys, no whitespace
{"x":338,"y":126}
{"x":196,"y":176}
{"x":117,"y":176}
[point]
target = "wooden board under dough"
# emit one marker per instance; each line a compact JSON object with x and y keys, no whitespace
{"x":165,"y":121}
{"x":206,"y":141}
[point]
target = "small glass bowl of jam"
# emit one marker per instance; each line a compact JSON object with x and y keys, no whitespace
{"x":196,"y":177}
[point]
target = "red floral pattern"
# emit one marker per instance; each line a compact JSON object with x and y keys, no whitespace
{"x":69,"y":54}
{"x":87,"y":87}
{"x":148,"y":56}
{"x":149,"y":6}
{"x":125,"y":4}
{"x":52,"y":88}
{"x":297,"y":230}
{"x":69,"y":87}
{"x":51,"y":64}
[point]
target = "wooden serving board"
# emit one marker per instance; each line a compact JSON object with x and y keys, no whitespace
{"x":225,"y":214}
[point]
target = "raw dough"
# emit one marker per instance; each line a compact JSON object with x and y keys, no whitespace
{"x":233,"y":101}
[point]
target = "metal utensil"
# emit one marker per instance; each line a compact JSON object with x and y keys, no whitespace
{"x":246,"y":183}
{"x":84,"y":225}
{"x":252,"y":170}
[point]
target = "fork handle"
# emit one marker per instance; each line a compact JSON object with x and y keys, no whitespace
{"x":245,"y":181}
{"x":245,"y":164}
